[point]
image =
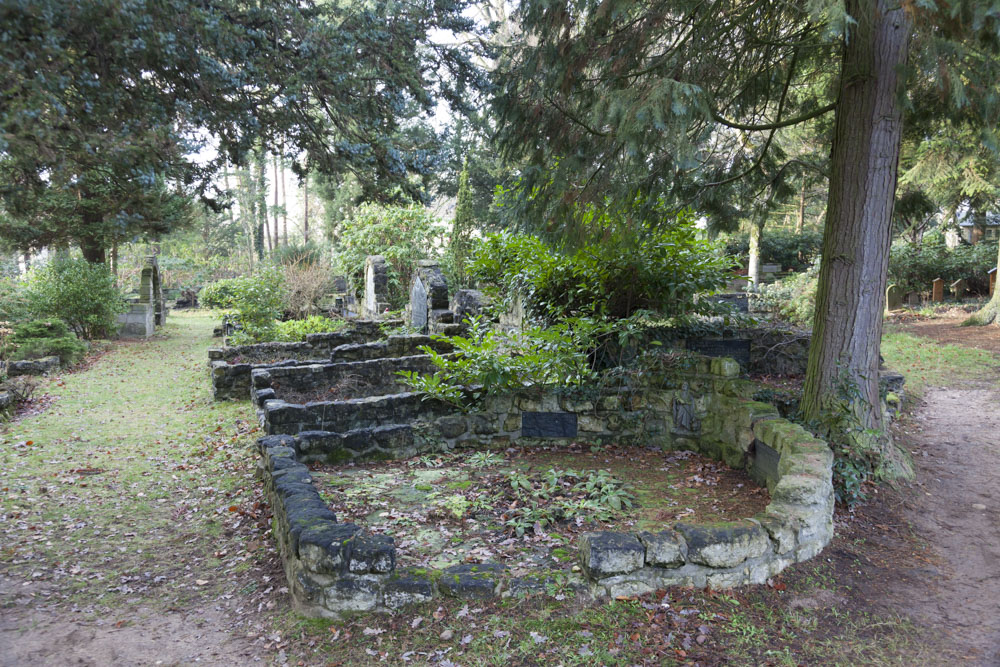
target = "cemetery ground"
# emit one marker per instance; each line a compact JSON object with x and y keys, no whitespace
{"x":134,"y":533}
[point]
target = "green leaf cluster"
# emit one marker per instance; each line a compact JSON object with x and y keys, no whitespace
{"x":624,"y":266}
{"x":42,"y":338}
{"x":254,"y":303}
{"x":81,"y":294}
{"x":401,"y":234}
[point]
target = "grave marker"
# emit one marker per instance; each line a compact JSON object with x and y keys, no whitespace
{"x":428,"y":296}
{"x":893,"y":298}
{"x":376,"y":286}
{"x":734,"y":348}
{"x":913,"y":298}
{"x":548,"y":425}
{"x":937,"y":290}
{"x":959,"y":288}
{"x":993,"y":279}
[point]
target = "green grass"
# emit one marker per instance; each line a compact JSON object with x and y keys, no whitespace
{"x":169,"y":464}
{"x":927,"y":363}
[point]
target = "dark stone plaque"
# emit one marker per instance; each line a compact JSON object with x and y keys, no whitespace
{"x":548,"y":424}
{"x":734,"y":348}
{"x":739,"y":302}
{"x":764,"y":463}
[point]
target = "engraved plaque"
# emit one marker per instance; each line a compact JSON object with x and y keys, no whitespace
{"x":548,"y":424}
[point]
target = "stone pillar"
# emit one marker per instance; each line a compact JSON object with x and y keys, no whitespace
{"x":428,"y":296}
{"x":376,"y":286}
{"x":937,"y":290}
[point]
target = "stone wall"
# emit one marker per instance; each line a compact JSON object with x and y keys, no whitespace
{"x":334,"y":568}
{"x":42,"y":366}
{"x":233,"y":380}
{"x":361,"y":386}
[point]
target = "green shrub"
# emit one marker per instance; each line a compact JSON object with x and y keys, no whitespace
{"x":790,"y":250}
{"x":292,"y":331}
{"x":13,"y":300}
{"x":914,"y":267}
{"x":35,"y":339}
{"x":401,"y":234}
{"x":793,"y":298}
{"x":254,"y":303}
{"x":80,"y":293}
{"x":625,"y":267}
{"x":298,"y":253}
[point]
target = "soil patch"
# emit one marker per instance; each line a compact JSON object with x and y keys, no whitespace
{"x":947,"y":330}
{"x":351,"y":386}
{"x":528,"y":507}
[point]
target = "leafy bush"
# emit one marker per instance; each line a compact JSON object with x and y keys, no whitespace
{"x":489,"y":362}
{"x":625,"y":267}
{"x":401,"y":234}
{"x":43,"y":338}
{"x":306,"y":285}
{"x":254,"y":303}
{"x":80,"y":293}
{"x":298,"y":253}
{"x":793,"y":298}
{"x":788,"y":249}
{"x":292,"y":331}
{"x":914,"y":267}
{"x":13,"y":300}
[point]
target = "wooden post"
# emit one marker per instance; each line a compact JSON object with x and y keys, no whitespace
{"x":937,"y":290}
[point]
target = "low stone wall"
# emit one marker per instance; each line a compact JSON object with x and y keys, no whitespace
{"x":393,"y":346}
{"x":368,"y":391}
{"x":233,"y":380}
{"x":334,"y":568}
{"x":42,"y":366}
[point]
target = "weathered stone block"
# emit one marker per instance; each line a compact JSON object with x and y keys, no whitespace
{"x":802,"y":490}
{"x":352,"y":594}
{"x":452,"y":426}
{"x":724,"y":545}
{"x":664,"y":549}
{"x":408,"y":587}
{"x":374,"y":554}
{"x":606,"y":554}
{"x":470,"y":581}
{"x":324,"y":548}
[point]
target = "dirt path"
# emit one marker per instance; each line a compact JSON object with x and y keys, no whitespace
{"x":955,"y":508}
{"x":127,"y":527}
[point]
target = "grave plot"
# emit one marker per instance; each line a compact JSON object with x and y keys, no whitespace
{"x":528,"y":508}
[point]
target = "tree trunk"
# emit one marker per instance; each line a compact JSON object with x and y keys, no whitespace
{"x":753,"y":267}
{"x":841,"y":392}
{"x":276,"y":237}
{"x":262,"y":197}
{"x":93,"y":250}
{"x":988,"y":313}
{"x":305,"y":209}
{"x":800,"y":221}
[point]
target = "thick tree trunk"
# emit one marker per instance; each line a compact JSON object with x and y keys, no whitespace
{"x":753,"y":267}
{"x":305,"y":209}
{"x":841,"y":390}
{"x":988,"y":313}
{"x":93,"y":250}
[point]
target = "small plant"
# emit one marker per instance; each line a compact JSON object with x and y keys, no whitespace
{"x":485,"y":459}
{"x":22,"y":388}
{"x":293,"y":331}
{"x":42,"y":338}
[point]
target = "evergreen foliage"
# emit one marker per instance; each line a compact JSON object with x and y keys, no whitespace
{"x":81,"y":294}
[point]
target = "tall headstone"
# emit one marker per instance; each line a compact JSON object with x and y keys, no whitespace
{"x":467,"y":303}
{"x":150,"y":291}
{"x":913,"y":299}
{"x":993,"y":279}
{"x":937,"y":290}
{"x":428,"y":296}
{"x":893,"y":298}
{"x":959,"y":288}
{"x":376,"y":286}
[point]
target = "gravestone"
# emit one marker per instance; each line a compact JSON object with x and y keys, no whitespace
{"x":428,"y":296}
{"x":770,"y":268}
{"x":548,"y":425}
{"x":739,"y":302}
{"x":734,"y":348}
{"x":376,"y":286}
{"x":467,"y":303}
{"x":763,"y":462}
{"x":959,"y":288}
{"x":937,"y":290}
{"x":912,"y":298}
{"x":893,"y":297}
{"x":150,"y":291}
{"x":993,"y":279}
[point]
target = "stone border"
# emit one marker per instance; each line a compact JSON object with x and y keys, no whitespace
{"x":334,"y":568}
